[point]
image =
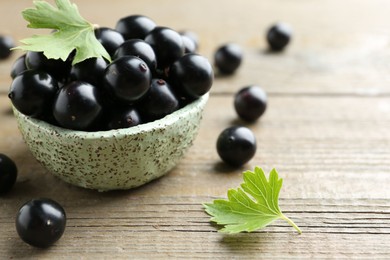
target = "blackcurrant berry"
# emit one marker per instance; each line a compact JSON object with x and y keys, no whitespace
{"x":127,"y":78}
{"x":135,"y":26}
{"x":18,"y":67}
{"x":192,"y":75}
{"x":250,"y":103}
{"x":109,"y":38}
{"x":193,"y":36}
{"x":8,"y":174}
{"x":140,"y":49}
{"x":90,"y":70}
{"x":236,"y":145}
{"x":278,"y":36}
{"x":78,"y":106}
{"x":189,"y":44}
{"x":159,"y":101}
{"x":40,"y":222}
{"x":167,"y":45}
{"x":32,"y":92}
{"x":123,"y":118}
{"x":228,"y":58}
{"x":6,"y":43}
{"x":59,"y":69}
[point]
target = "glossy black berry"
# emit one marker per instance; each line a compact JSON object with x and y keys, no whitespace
{"x":32,"y":92}
{"x":278,"y":36}
{"x":192,"y":75}
{"x":236,"y":145}
{"x":18,"y":66}
{"x":109,"y":38}
{"x":228,"y":58}
{"x":189,"y":44}
{"x":124,"y":118}
{"x":8,"y":174}
{"x":6,"y":43}
{"x":40,"y":222}
{"x":127,"y":78}
{"x":250,"y":103}
{"x":159,"y":101}
{"x":90,"y":70}
{"x":167,"y":45}
{"x":59,"y":69}
{"x":135,"y":26}
{"x":140,"y":49}
{"x":78,"y":106}
{"x":193,"y":37}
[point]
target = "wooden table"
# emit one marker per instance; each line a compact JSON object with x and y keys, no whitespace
{"x":326,"y":131}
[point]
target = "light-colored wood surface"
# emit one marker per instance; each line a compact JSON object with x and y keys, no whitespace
{"x":326,"y":131}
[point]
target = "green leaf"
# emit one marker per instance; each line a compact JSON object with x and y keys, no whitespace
{"x":71,"y":32}
{"x":253,"y":206}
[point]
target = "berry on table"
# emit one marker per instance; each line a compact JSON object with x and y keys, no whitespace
{"x":228,"y":58}
{"x":236,"y":145}
{"x":250,"y":103}
{"x":41,"y":222}
{"x":6,"y":43}
{"x":278,"y":36}
{"x":8,"y":174}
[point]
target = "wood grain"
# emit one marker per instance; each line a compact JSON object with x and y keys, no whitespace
{"x":326,"y":130}
{"x":172,"y":226}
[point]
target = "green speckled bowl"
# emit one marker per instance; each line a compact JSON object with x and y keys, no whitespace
{"x":115,"y":159}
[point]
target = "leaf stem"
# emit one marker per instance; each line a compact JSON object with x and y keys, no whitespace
{"x":282,"y":216}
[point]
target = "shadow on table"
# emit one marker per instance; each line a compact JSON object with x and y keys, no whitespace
{"x":8,"y":111}
{"x":17,"y":249}
{"x":241,"y":243}
{"x":221,"y":167}
{"x":268,"y":51}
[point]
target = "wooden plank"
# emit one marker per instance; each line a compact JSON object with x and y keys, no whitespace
{"x":177,"y":227}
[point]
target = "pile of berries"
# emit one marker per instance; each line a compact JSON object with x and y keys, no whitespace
{"x":155,"y":71}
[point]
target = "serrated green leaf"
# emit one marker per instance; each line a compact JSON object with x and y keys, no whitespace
{"x":253,"y":206}
{"x":72,"y":32}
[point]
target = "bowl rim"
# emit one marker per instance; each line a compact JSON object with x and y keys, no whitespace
{"x":161,"y":123}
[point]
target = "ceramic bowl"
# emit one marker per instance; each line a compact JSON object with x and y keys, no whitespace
{"x":115,"y":159}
